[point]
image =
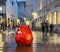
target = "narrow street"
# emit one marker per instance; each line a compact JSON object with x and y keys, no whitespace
{"x":17,"y":17}
{"x":41,"y":42}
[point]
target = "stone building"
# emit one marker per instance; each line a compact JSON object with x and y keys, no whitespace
{"x":11,"y":11}
{"x":2,"y":10}
{"x":48,"y":10}
{"x":21,"y":9}
{"x":29,"y":10}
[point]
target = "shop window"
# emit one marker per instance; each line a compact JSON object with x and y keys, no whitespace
{"x":50,"y":18}
{"x":54,"y":18}
{"x":59,"y":17}
{"x":46,"y":17}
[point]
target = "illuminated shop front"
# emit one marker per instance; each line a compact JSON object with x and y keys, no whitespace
{"x":47,"y":17}
{"x":54,"y":18}
{"x":58,"y":17}
{"x":38,"y":23}
{"x":51,"y":17}
{"x":0,"y":13}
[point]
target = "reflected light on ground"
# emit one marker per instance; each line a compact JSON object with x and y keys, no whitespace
{"x":1,"y":50}
{"x":39,"y":37}
{"x":34,"y":37}
{"x":1,"y":41}
{"x":54,"y":39}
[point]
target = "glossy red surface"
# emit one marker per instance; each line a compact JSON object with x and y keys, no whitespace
{"x":23,"y":35}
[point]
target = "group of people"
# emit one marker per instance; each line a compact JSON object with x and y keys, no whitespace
{"x":46,"y":27}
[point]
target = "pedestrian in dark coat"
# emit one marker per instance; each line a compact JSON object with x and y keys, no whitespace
{"x":43,"y":27}
{"x":51,"y":28}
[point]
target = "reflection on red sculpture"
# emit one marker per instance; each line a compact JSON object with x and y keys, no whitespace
{"x":24,"y":49}
{"x":23,"y":35}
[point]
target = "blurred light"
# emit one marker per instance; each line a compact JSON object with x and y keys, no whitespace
{"x":0,"y":37}
{"x":0,"y":8}
{"x":1,"y":41}
{"x":18,"y":21}
{"x":27,"y":22}
{"x":28,"y":37}
{"x":24,"y":18}
{"x":35,"y":15}
{"x":1,"y":50}
{"x":54,"y":17}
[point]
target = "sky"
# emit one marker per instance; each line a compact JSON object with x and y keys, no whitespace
{"x":20,"y":0}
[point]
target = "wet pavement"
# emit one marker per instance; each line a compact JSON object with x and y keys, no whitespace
{"x":42,"y":42}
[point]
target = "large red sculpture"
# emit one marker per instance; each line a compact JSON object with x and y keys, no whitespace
{"x":23,"y":35}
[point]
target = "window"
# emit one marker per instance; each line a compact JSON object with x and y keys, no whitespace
{"x":46,"y":17}
{"x":40,"y":4}
{"x":32,"y":2}
{"x":32,"y":10}
{"x":46,"y":2}
{"x":49,"y":18}
{"x":12,"y":2}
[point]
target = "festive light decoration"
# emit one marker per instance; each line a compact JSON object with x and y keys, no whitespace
{"x":23,"y":35}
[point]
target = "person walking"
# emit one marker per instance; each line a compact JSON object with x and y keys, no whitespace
{"x":51,"y":28}
{"x":43,"y":27}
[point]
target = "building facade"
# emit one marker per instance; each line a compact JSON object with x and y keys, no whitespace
{"x":29,"y":8}
{"x":2,"y":10}
{"x":11,"y":9}
{"x":29,"y":11}
{"x":48,"y":10}
{"x":21,"y":9}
